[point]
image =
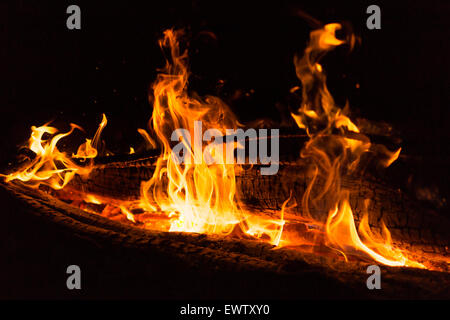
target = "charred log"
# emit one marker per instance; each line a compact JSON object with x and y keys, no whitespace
{"x":412,"y":226}
{"x":281,"y":272}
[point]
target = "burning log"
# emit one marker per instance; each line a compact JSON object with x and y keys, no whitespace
{"x":310,"y":203}
{"x":285,"y":271}
{"x":411,"y":225}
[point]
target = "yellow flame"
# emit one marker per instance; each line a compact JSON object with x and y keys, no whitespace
{"x":150,"y":142}
{"x":392,"y":157}
{"x":320,"y":117}
{"x":50,"y":166}
{"x":92,"y":199}
{"x":127,"y":213}
{"x":198,"y":197}
{"x":89,"y":148}
{"x":341,"y":231}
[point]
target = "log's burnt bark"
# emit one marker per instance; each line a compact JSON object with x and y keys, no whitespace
{"x":412,"y":226}
{"x":239,"y":267}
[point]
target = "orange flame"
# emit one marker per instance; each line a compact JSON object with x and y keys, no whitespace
{"x":334,"y":154}
{"x":198,"y":197}
{"x":50,"y":166}
{"x":341,"y":231}
{"x":89,"y":148}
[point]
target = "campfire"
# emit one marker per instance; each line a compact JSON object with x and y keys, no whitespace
{"x":205,"y":172}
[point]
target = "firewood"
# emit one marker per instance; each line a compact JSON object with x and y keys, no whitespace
{"x":304,"y":274}
{"x":411,"y":225}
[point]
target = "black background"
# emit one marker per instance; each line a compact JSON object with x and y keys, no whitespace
{"x":48,"y":72}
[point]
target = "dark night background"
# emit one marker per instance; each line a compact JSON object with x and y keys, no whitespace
{"x":48,"y":72}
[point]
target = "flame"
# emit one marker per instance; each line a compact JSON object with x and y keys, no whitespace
{"x":383,"y":244}
{"x":92,"y":199}
{"x":392,"y":156}
{"x":127,"y":213}
{"x":335,"y":154}
{"x":269,"y":227}
{"x":198,"y":197}
{"x":151,"y":144}
{"x":89,"y":148}
{"x":50,"y":166}
{"x":341,"y":231}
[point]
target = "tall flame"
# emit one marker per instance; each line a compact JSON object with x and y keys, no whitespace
{"x":199,"y":196}
{"x":332,"y":154}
